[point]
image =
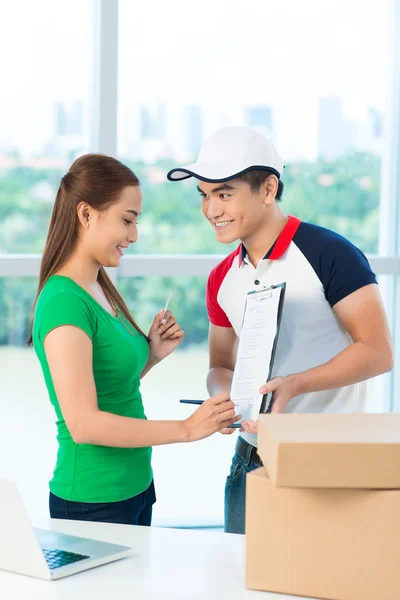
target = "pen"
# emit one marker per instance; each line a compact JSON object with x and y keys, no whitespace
{"x":166,"y":304}
{"x":184,"y":401}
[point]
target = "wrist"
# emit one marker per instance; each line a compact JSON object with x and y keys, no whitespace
{"x":185,"y":431}
{"x":296,"y":383}
{"x":152,"y":361}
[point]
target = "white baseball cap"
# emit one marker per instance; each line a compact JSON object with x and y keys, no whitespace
{"x":228,"y":153}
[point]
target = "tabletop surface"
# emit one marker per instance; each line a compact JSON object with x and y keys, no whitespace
{"x":167,"y":563}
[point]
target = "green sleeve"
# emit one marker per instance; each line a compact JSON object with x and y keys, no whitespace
{"x":65,"y":308}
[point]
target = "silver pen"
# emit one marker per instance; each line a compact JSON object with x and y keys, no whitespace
{"x":166,"y":305}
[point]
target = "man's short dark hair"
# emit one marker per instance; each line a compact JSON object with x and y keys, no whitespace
{"x":256,"y":178}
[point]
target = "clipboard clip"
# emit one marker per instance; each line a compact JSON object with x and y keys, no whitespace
{"x":263,"y":297}
{"x":263,"y":290}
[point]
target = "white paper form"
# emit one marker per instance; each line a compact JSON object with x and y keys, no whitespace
{"x":254,"y":351}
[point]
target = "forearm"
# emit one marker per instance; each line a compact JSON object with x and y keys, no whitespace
{"x":356,"y":363}
{"x":152,"y":362}
{"x":107,"y":429}
{"x":219,"y":379}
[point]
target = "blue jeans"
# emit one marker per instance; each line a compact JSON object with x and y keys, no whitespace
{"x":134,"y":511}
{"x":235,"y":493}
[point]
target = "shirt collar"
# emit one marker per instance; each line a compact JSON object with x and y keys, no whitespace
{"x":280,"y":245}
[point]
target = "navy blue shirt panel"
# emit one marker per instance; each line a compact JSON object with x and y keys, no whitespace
{"x":340,"y":266}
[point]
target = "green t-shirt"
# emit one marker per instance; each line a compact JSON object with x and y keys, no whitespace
{"x":86,"y":472}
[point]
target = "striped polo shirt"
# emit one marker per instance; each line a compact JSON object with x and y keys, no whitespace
{"x":320,"y":268}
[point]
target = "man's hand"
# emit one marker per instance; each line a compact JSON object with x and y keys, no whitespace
{"x":228,"y":430}
{"x":284,"y":389}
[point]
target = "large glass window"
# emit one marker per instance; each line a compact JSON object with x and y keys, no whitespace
{"x":27,"y":421}
{"x":311,"y":76}
{"x":189,"y":478}
{"x":307,"y":75}
{"x":45,"y":119}
{"x":299,"y":73}
{"x":46,"y":82}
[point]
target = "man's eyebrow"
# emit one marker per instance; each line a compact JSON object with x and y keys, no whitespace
{"x":220,"y":188}
{"x":134,"y":212}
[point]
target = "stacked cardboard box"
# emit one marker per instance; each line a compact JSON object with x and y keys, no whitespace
{"x":323,"y":513}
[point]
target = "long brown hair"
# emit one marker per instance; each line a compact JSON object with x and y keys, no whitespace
{"x":97,"y":180}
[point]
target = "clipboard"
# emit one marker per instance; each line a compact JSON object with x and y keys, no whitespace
{"x":268,"y":400}
{"x":259,"y":335}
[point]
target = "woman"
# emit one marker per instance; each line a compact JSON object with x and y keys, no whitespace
{"x":93,"y":354}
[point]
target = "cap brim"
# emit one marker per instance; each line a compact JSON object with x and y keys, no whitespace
{"x":214,"y":172}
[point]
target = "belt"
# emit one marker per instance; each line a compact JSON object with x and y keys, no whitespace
{"x":247,"y":451}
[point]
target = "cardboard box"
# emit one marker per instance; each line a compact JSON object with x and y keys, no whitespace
{"x":331,"y":544}
{"x":331,"y":450}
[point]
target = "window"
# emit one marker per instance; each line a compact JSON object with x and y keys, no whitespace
{"x":28,"y":434}
{"x":308,"y":76}
{"x":300,"y":73}
{"x":184,"y":475}
{"x":45,"y":119}
{"x":44,"y":111}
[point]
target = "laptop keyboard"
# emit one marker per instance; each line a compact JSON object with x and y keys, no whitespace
{"x":60,"y":558}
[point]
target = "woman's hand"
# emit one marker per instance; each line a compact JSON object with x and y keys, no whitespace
{"x":165,"y":335}
{"x":213,"y":415}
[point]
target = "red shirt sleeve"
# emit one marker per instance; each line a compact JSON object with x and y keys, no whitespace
{"x":216,"y":314}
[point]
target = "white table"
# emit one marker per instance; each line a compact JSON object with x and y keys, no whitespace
{"x":169,"y":564}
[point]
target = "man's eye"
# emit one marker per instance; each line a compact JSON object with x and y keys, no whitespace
{"x":128,"y":222}
{"x":223,"y":196}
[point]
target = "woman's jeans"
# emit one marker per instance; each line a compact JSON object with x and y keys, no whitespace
{"x":134,"y":511}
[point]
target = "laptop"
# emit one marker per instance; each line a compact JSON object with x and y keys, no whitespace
{"x":42,"y":553}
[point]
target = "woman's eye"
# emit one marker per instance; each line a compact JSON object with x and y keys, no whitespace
{"x":128,"y":222}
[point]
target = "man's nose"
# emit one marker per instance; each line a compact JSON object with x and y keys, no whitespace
{"x":214,"y":209}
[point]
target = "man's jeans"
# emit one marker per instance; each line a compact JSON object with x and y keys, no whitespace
{"x":235,"y":492}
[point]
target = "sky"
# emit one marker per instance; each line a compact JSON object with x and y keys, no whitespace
{"x":221,"y":55}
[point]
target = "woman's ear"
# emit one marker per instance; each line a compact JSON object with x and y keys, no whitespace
{"x":83,"y":212}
